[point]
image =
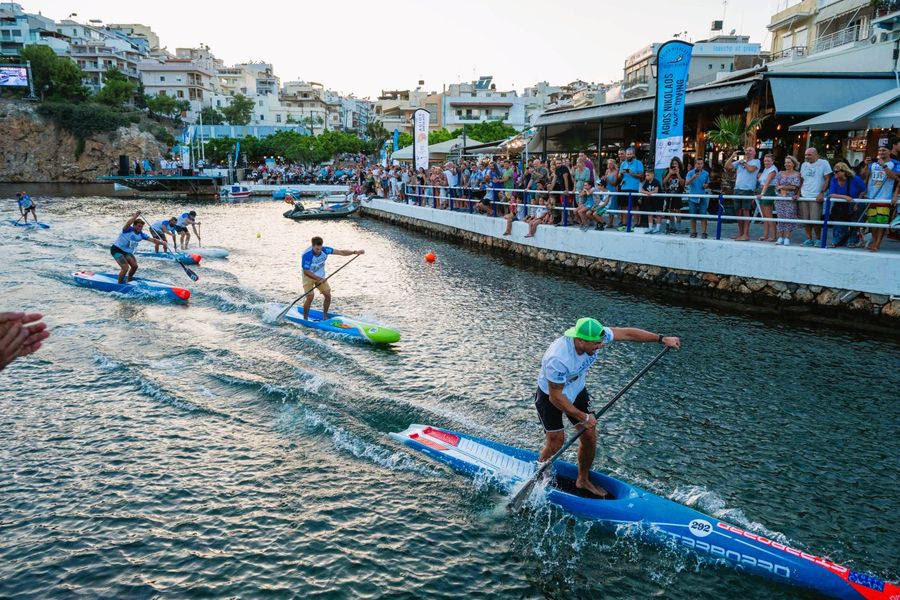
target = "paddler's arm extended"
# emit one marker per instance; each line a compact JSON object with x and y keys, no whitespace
{"x":348,"y":252}
{"x":559,"y":400}
{"x":633,"y":334}
{"x":131,"y":221}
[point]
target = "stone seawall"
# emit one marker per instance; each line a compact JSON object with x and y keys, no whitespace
{"x":748,"y":292}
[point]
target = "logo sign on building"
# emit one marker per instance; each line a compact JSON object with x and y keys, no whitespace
{"x":420,"y":138}
{"x":673,"y":61}
{"x":13,"y":77}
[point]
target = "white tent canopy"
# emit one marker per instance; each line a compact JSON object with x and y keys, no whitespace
{"x":438,"y":151}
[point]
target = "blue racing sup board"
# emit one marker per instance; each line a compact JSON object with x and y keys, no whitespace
{"x":109,"y":282}
{"x":634,"y":511}
{"x":346,"y":326}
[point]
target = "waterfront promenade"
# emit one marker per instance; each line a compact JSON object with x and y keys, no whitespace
{"x":756,"y":272}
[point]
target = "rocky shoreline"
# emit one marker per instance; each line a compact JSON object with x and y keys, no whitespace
{"x":35,"y":150}
{"x":762,"y":295}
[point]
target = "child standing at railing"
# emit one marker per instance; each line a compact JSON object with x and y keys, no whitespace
{"x":541,"y":216}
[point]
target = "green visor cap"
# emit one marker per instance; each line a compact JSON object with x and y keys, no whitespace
{"x":587,"y":329}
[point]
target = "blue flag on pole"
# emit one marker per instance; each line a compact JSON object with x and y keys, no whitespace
{"x":673,"y":60}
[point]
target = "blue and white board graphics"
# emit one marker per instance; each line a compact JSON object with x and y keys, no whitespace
{"x":673,"y":61}
{"x":421,"y":118}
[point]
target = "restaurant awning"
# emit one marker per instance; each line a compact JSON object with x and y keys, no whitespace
{"x":441,"y":149}
{"x":857,"y":115}
{"x":822,"y":94}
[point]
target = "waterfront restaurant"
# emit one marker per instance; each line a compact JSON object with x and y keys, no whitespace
{"x":785,"y":99}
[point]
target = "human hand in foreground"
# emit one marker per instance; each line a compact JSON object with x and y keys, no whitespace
{"x":20,"y":335}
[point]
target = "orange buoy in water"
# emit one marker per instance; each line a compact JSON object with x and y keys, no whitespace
{"x":430,"y":257}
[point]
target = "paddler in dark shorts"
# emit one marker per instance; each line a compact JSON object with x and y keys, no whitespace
{"x":160,"y":229}
{"x":313,"y":265}
{"x":561,"y":387}
{"x":181,"y":227}
{"x":123,"y":248}
{"x":26,"y":205}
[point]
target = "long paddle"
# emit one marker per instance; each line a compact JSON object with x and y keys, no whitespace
{"x":190,"y":272}
{"x":285,"y":311}
{"x":526,"y":489}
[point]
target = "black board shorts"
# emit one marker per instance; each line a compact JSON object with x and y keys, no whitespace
{"x":551,"y":417}
{"x":181,"y":229}
{"x":118,"y":252}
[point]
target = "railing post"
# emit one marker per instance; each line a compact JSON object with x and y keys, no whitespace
{"x":469,"y":201}
{"x":493,"y":203}
{"x":434,"y":196}
{"x":565,"y":212}
{"x":450,"y":197}
{"x":719,"y":219}
{"x":825,"y":212}
{"x":628,"y":216}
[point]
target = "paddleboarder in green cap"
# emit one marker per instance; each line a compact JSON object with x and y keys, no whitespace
{"x":561,"y":387}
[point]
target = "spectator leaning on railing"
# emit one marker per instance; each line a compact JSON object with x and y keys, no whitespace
{"x":697,"y":182}
{"x":631,"y":172}
{"x":845,"y":185}
{"x":883,"y":174}
{"x":787,"y":186}
{"x":744,"y":185}
{"x":816,"y":173}
{"x":673,"y":183}
{"x":767,"y":176}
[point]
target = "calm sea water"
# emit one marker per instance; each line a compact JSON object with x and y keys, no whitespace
{"x":161,"y":450}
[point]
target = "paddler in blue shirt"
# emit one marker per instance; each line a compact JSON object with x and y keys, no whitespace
{"x":160,"y":229}
{"x":123,"y":248}
{"x":181,"y":226}
{"x":26,"y":205}
{"x":313,"y":265}
{"x":561,"y":388}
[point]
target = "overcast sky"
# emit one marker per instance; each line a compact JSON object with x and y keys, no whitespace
{"x":363,"y":47}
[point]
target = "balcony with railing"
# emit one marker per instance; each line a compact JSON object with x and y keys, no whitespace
{"x":789,"y":53}
{"x":887,"y":15}
{"x":842,"y":37}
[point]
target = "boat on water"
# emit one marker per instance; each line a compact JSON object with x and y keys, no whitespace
{"x":286,"y":193}
{"x":343,"y":325}
{"x":182,"y":257}
{"x":234,"y":191}
{"x":328,"y":211}
{"x":109,"y":282}
{"x":636,"y":512}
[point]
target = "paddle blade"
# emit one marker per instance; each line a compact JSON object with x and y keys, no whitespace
{"x":190,"y":272}
{"x":521,"y":495}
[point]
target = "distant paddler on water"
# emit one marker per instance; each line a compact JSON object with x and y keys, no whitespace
{"x":161,"y":229}
{"x":123,"y":248}
{"x":313,"y":276}
{"x":26,"y":205}
{"x":561,"y":388}
{"x":186,"y":220}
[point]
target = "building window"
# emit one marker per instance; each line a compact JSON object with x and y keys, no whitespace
{"x":278,"y":118}
{"x":262,"y":117}
{"x":260,"y":102}
{"x":218,"y":103}
{"x":179,"y":94}
{"x":162,"y":77}
{"x":709,"y":66}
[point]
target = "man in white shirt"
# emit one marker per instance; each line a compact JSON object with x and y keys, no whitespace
{"x":561,"y":388}
{"x":816,"y":174}
{"x":746,"y":172}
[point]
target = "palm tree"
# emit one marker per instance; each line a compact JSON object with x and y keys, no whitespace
{"x":731,"y":132}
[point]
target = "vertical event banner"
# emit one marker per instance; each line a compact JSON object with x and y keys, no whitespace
{"x":673,"y":61}
{"x":420,"y":138}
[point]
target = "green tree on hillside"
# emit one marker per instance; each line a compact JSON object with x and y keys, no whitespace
{"x":54,"y":77}
{"x":239,"y":111}
{"x":211,"y":116}
{"x":167,"y":106}
{"x":488,"y":131}
{"x":117,"y":89}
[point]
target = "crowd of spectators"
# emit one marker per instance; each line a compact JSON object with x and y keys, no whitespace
{"x":564,"y":190}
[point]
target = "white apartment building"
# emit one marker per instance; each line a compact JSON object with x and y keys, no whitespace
{"x":394,"y":108}
{"x":480,"y":101}
{"x":709,"y":58}
{"x":136,"y":30}
{"x":308,"y":103}
{"x":95,"y":49}
{"x":181,"y":79}
{"x":19,"y":29}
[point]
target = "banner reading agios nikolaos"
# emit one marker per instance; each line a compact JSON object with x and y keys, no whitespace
{"x":420,"y":138}
{"x":673,"y":60}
